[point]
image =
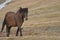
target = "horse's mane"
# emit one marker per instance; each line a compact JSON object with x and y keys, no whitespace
{"x":23,"y":10}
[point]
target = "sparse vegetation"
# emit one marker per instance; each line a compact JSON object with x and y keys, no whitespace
{"x":43,"y":23}
{"x":1,"y":1}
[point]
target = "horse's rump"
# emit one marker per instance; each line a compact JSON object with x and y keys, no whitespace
{"x":10,"y":19}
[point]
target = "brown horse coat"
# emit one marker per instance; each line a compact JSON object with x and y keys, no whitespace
{"x":13,"y":19}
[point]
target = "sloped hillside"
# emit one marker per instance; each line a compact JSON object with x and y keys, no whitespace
{"x":43,"y":23}
{"x":1,"y":1}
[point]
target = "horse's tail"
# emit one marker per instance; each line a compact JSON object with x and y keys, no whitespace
{"x":3,"y":24}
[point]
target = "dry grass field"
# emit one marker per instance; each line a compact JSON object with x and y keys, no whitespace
{"x":1,"y":1}
{"x":43,"y":23}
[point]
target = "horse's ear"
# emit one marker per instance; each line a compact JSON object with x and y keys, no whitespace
{"x":20,"y":7}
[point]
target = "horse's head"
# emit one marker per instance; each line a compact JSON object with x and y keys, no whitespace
{"x":24,"y":12}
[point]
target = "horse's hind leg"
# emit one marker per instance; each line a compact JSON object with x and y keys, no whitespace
{"x":3,"y":25}
{"x":2,"y":29}
{"x":8,"y":30}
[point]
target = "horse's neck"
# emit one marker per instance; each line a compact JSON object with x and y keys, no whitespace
{"x":19,"y":14}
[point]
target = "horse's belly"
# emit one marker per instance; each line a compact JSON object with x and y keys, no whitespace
{"x":12,"y":23}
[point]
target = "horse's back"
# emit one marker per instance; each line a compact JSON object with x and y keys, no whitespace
{"x":10,"y":18}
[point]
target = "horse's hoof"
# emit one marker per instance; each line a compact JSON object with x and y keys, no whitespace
{"x":7,"y":36}
{"x":16,"y":35}
{"x":21,"y":35}
{"x":0,"y":31}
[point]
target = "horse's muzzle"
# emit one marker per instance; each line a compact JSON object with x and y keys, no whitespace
{"x":26,"y":19}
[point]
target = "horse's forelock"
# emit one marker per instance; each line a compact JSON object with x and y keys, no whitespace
{"x":23,"y":10}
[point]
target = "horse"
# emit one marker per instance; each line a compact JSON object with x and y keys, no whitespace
{"x":13,"y":19}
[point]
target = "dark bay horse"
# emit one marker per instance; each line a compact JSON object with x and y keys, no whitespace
{"x":13,"y":19}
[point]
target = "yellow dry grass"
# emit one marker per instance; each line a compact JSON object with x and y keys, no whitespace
{"x":44,"y":19}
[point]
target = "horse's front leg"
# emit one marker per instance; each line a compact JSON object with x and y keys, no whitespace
{"x":20,"y":29}
{"x":8,"y":30}
{"x":17,"y":31}
{"x":19,"y":24}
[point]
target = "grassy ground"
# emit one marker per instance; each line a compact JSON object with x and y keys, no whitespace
{"x":1,"y":1}
{"x":43,"y":23}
